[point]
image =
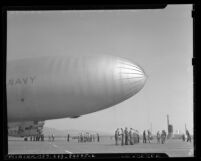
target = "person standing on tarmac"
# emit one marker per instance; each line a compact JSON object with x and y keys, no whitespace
{"x":68,"y":137}
{"x":138,"y":136}
{"x":122,"y":137}
{"x":135,"y":132}
{"x":81,"y":138}
{"x":98,"y":137}
{"x":52,"y":137}
{"x":93,"y":137}
{"x":148,"y":136}
{"x":42,"y":137}
{"x":163,"y":136}
{"x":116,"y":135}
{"x":130,"y":137}
{"x":134,"y":137}
{"x":158,"y":137}
{"x":144,"y":136}
{"x":126,"y":136}
{"x":183,"y":137}
{"x":188,"y":136}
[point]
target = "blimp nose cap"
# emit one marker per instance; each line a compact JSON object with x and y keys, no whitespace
{"x":133,"y":74}
{"x":144,"y":75}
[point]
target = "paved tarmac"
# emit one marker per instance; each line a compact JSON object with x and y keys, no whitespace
{"x":173,"y":147}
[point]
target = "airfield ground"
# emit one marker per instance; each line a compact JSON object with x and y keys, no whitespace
{"x":173,"y":147}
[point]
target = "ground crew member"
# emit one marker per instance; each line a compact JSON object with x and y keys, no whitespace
{"x":134,"y":137}
{"x":93,"y":136}
{"x":144,"y":136}
{"x":52,"y":137}
{"x":98,"y":137}
{"x":126,"y":136}
{"x":122,"y":137}
{"x":188,"y":136}
{"x":130,"y":137}
{"x":158,"y":137}
{"x":90,"y":137}
{"x":116,"y":135}
{"x":163,"y":136}
{"x":79,"y":138}
{"x":138,"y":136}
{"x":68,"y":137}
{"x":149,"y":135}
{"x":183,"y":137}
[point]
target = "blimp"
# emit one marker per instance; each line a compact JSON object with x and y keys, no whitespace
{"x":53,"y":87}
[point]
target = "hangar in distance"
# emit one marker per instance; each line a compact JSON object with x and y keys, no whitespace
{"x":52,"y":87}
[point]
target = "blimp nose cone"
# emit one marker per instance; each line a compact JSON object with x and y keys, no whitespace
{"x":132,"y":77}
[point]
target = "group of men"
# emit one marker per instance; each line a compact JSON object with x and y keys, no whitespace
{"x":126,"y":137}
{"x":131,"y":137}
{"x":39,"y":137}
{"x":51,"y":138}
{"x":87,"y":137}
{"x":187,"y":137}
{"x":161,"y":138}
{"x":147,"y":137}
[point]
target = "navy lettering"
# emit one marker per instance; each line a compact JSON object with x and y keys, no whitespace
{"x":32,"y":78}
{"x":18,"y":81}
{"x":10,"y":82}
{"x":25,"y":80}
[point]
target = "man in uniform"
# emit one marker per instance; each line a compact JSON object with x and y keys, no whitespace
{"x":183,"y":137}
{"x":68,"y":137}
{"x":163,"y":136}
{"x":134,"y":136}
{"x":81,"y":138}
{"x":98,"y":137}
{"x":122,"y":137}
{"x":148,"y":135}
{"x":126,"y":136}
{"x":116,"y":135}
{"x":93,"y":136}
{"x":42,"y":137}
{"x":188,"y":136}
{"x":52,"y":137}
{"x":144,"y":136}
{"x":130,"y":137}
{"x":158,"y":137}
{"x":138,"y":136}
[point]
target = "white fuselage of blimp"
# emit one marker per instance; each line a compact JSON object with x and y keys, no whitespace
{"x":52,"y":87}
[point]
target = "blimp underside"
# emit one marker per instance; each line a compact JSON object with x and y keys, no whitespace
{"x":70,"y":86}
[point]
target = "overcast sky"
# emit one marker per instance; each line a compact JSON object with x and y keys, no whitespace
{"x":158,"y":40}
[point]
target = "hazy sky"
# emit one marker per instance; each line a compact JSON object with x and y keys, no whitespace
{"x":159,"y":40}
